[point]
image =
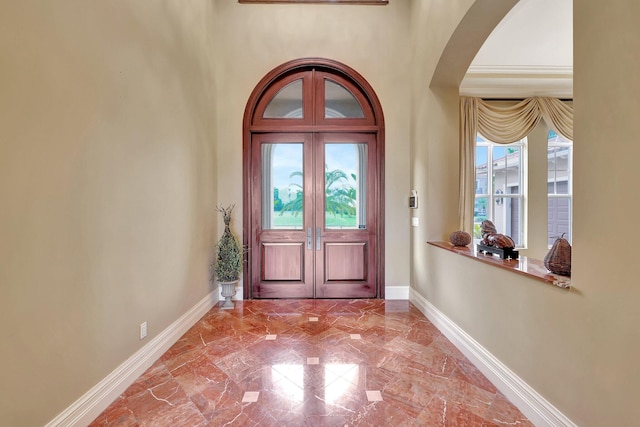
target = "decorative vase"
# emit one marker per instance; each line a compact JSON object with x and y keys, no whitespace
{"x":558,"y":259}
{"x":228,"y":291}
{"x":460,"y":238}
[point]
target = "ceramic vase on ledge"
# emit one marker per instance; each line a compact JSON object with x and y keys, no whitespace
{"x":228,"y":291}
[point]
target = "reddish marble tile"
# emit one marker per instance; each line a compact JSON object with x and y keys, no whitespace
{"x":363,"y":354}
{"x":398,"y":364}
{"x":397,"y":306}
{"x":197,"y":374}
{"x":447,"y":347}
{"x":221,"y":400}
{"x":118,"y":414}
{"x":381,"y":414}
{"x":359,"y":323}
{"x":156,"y":375}
{"x":239,"y":365}
{"x":298,"y":337}
{"x":436,"y":362}
{"x":502,"y":412}
{"x":322,"y":421}
{"x":184,"y":345}
{"x":165,"y":404}
{"x":229,"y":345}
{"x":261,"y":325}
{"x":440,"y":412}
{"x":413,"y":392}
{"x":381,"y":335}
{"x":466,"y":396}
{"x":274,"y":352}
{"x":195,"y":355}
{"x":423,"y":333}
{"x":330,"y":337}
{"x":232,"y":417}
{"x":374,"y":378}
{"x":405,"y":348}
{"x":467,"y":372}
{"x":422,"y":377}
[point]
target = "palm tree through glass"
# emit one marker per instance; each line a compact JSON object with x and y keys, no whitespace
{"x":344,"y":201}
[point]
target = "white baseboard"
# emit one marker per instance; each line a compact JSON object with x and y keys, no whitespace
{"x":96,"y":400}
{"x":535,"y":407}
{"x":396,"y":292}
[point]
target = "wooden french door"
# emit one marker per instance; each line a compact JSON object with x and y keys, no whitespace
{"x":314,"y":222}
{"x":313,"y":165}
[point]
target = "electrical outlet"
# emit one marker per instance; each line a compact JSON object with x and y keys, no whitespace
{"x":143,"y":330}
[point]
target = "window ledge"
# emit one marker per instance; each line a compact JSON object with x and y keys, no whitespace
{"x":530,"y":267}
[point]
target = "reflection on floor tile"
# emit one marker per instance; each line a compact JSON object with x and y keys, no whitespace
{"x":229,"y":369}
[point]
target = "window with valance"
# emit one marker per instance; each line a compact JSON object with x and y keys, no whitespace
{"x":502,"y":124}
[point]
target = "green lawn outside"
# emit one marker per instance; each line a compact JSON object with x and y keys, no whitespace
{"x":289,"y":219}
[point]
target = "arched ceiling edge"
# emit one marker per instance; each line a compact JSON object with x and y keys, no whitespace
{"x":467,"y":39}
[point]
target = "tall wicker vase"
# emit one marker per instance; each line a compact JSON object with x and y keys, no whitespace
{"x":228,"y":261}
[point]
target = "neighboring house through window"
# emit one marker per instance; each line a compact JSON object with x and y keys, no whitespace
{"x":500,"y":187}
{"x":559,"y":186}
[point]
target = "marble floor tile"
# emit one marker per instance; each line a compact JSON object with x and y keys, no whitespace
{"x":312,"y":363}
{"x":374,"y":396}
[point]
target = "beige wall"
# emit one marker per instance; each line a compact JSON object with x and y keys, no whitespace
{"x":108,"y":116}
{"x":106,"y":188}
{"x":373,"y":40}
{"x":578,"y":349}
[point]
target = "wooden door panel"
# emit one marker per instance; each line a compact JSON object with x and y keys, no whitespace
{"x":314,"y":216}
{"x":317,"y":103}
{"x":281,"y":290}
{"x":347,"y":270}
{"x":345,"y":261}
{"x":282,"y":262}
{"x":346,"y":290}
{"x":281,"y":258}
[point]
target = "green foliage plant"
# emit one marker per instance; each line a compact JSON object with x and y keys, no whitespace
{"x":340,"y":195}
{"x":230,"y":253}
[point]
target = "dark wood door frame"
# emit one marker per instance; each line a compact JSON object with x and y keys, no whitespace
{"x":253,"y":123}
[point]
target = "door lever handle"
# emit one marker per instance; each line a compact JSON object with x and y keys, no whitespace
{"x":309,"y":239}
{"x":318,"y":237}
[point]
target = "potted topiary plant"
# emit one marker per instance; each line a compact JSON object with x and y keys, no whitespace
{"x":228,"y":263}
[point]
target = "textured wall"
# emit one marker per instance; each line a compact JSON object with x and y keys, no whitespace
{"x":107,"y":188}
{"x":579,"y":348}
{"x":374,"y":40}
{"x":109,"y":171}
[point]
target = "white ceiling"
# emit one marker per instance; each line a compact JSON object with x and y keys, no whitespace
{"x":530,"y":53}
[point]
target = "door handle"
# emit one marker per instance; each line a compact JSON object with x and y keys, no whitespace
{"x":318,"y":237}
{"x":309,"y":239}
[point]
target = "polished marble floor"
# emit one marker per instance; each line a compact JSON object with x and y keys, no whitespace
{"x":312,"y":363}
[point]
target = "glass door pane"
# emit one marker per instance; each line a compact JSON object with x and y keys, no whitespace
{"x":282,"y":186}
{"x":287,"y":103}
{"x":340,"y":103}
{"x":345,"y":186}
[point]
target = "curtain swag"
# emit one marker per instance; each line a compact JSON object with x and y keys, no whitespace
{"x":502,"y":125}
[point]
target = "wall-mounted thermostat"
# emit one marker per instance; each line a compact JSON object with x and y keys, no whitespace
{"x":413,"y":200}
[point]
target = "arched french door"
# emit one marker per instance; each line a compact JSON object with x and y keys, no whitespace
{"x":313,"y":184}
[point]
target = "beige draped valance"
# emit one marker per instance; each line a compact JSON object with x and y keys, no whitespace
{"x":504,"y":125}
